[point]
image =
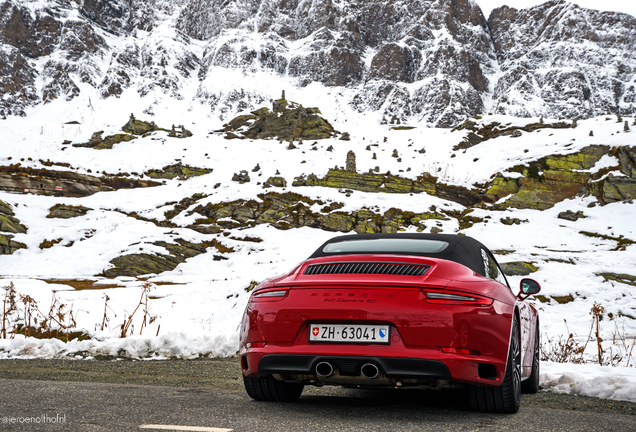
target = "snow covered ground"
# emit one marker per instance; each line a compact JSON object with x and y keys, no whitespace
{"x":198,"y":305}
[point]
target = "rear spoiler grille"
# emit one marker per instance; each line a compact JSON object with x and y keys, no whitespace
{"x":388,"y":268}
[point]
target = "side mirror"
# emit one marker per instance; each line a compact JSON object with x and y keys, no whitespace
{"x":529,"y":287}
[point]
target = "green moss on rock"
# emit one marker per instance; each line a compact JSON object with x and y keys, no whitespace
{"x":563,"y":299}
{"x":177,"y":171}
{"x":11,"y":224}
{"x":615,"y":189}
{"x":275,"y":181}
{"x":518,"y":268}
{"x":388,"y":183}
{"x":99,"y":143}
{"x":501,"y":187}
{"x":8,"y":222}
{"x":542,"y":298}
{"x":619,"y":277}
{"x":8,"y":246}
{"x":548,"y":180}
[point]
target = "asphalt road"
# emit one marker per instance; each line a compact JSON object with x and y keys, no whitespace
{"x":85,"y":404}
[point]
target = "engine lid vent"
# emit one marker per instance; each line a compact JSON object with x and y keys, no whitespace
{"x":387,"y":268}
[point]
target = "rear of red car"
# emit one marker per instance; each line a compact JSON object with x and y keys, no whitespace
{"x":379,"y":320}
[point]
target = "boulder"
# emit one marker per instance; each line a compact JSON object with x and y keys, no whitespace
{"x":518,"y":268}
{"x":275,"y":181}
{"x":8,"y":246}
{"x":63,"y":211}
{"x":241,"y":177}
{"x":8,"y":222}
{"x":571,"y":216}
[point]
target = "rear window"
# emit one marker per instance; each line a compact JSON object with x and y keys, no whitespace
{"x":386,"y":245}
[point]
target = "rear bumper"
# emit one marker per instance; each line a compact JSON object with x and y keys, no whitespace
{"x":391,"y":367}
{"x":421,"y":365}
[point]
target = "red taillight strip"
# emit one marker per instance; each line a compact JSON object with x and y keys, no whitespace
{"x":256,"y":344}
{"x":453,"y":298}
{"x":464,"y":351}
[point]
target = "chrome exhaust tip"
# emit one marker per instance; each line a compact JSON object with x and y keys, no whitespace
{"x":370,"y":371}
{"x":324,"y":369}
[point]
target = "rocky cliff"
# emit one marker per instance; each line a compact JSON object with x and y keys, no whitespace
{"x":433,"y":61}
{"x":561,"y":60}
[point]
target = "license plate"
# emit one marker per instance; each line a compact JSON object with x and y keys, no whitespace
{"x":351,"y":333}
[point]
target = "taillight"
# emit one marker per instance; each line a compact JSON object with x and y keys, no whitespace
{"x":464,"y":351}
{"x":453,"y":298}
{"x":270,"y":294}
{"x":256,"y":344}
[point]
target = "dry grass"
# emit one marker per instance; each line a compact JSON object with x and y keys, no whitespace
{"x":81,"y":284}
{"x":568,"y":350}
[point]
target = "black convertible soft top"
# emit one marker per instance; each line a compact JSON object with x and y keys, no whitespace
{"x":460,"y":249}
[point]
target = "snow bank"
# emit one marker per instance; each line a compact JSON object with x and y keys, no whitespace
{"x":605,"y":382}
{"x":173,"y":345}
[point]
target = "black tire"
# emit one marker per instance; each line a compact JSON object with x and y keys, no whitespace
{"x":531,"y":385}
{"x":507,"y":397}
{"x":271,"y":390}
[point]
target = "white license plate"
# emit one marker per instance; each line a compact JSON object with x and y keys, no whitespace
{"x":352,"y":333}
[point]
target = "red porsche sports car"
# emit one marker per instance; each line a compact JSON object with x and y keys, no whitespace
{"x":393,"y":310}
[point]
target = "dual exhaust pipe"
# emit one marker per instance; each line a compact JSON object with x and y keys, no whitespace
{"x":369,"y":370}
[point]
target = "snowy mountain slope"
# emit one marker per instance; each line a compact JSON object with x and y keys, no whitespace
{"x":432,"y":61}
{"x":560,"y":60}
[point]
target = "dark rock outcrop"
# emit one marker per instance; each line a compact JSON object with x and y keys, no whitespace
{"x":292,"y":210}
{"x":571,"y":216}
{"x":619,"y":277}
{"x":275,"y":181}
{"x":17,"y":179}
{"x":8,"y":245}
{"x":518,"y":268}
{"x":548,"y":180}
{"x":99,"y":143}
{"x":388,"y":183}
{"x":177,"y":171}
{"x":481,"y":133}
{"x":176,"y":253}
{"x":9,"y":224}
{"x":287,"y":121}
{"x":64,"y":211}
